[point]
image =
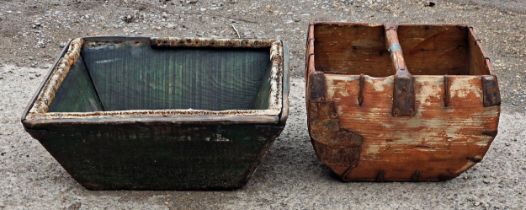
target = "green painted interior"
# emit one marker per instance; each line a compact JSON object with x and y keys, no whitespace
{"x":76,"y":93}
{"x":132,"y":75}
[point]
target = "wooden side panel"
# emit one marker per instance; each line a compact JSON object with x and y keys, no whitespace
{"x":435,"y":50}
{"x":309,"y":61}
{"x":351,"y":49}
{"x":337,"y":147}
{"x":437,"y":143}
{"x":77,"y":93}
{"x":478,"y":62}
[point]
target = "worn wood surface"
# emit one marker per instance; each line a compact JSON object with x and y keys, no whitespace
{"x":351,"y":49}
{"x":435,"y":49}
{"x":355,"y":133}
{"x":479,"y":63}
{"x":436,"y":143}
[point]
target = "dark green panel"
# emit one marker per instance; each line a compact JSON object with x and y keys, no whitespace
{"x":76,"y":94}
{"x":159,"y":156}
{"x":133,"y":75}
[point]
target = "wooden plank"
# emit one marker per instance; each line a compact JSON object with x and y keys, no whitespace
{"x":478,"y":62}
{"x":435,"y":50}
{"x":438,"y":143}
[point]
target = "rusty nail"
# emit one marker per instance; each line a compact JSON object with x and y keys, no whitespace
{"x":360,"y":94}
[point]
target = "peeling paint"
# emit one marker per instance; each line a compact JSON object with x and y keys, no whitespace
{"x":430,"y":87}
{"x":373,"y":150}
{"x":462,"y":86}
{"x":380,"y":84}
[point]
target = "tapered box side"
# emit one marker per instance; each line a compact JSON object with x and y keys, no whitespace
{"x":146,"y":113}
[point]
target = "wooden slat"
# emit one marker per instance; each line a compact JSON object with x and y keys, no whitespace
{"x":478,"y":62}
{"x":435,"y":50}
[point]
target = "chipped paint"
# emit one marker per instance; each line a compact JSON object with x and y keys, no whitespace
{"x":463,"y":86}
{"x":430,"y":88}
{"x":373,"y":150}
{"x":484,"y":141}
{"x":380,"y":84}
{"x":221,"y":138}
{"x":334,"y":79}
{"x":417,"y":122}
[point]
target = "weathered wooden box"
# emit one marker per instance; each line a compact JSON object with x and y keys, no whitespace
{"x":399,"y":103}
{"x":161,"y":113}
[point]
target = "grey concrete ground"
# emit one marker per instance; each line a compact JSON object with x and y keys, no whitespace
{"x":32,"y":33}
{"x":290,"y":177}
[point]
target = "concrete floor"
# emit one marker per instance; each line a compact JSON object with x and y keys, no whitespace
{"x":290,"y":177}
